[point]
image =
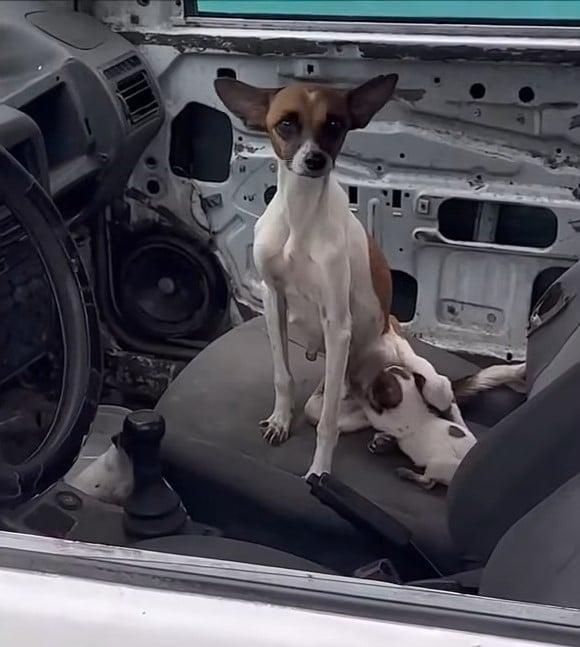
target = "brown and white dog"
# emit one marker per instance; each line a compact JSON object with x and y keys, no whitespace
{"x":317,"y":263}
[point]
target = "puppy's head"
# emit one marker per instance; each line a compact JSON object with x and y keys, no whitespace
{"x":307,"y":123}
{"x":385,"y":391}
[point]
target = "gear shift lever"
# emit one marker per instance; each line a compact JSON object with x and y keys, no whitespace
{"x":153,"y":509}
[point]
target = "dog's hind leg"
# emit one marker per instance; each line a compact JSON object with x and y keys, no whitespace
{"x":421,"y":479}
{"x":276,"y":428}
{"x":351,"y":416}
{"x":442,"y":471}
{"x":313,"y":406}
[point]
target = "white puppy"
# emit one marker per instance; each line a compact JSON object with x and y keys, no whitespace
{"x":394,"y":405}
{"x":396,"y":408}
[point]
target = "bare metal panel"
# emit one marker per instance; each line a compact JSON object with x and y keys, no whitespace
{"x":481,"y":114}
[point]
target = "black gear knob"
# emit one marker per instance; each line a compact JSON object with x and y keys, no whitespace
{"x":141,"y":439}
{"x":147,"y":425}
{"x":153,"y":509}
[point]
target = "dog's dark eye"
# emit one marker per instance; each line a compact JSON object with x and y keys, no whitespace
{"x":334,"y":126}
{"x":287,"y":127}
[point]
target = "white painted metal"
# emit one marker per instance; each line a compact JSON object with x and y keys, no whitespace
{"x":54,"y":611}
{"x":41,"y":609}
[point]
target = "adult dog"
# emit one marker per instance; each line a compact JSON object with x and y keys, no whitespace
{"x":317,"y":263}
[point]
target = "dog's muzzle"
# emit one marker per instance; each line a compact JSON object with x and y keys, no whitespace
{"x":315,"y":161}
{"x":310,"y":161}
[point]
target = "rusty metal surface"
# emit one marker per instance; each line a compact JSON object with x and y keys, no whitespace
{"x":256,"y":43}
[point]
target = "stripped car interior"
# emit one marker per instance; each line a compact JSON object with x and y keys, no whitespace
{"x":131,"y":308}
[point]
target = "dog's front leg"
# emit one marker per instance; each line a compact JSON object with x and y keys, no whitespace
{"x":436,"y":389}
{"x":337,"y":328}
{"x":276,"y":428}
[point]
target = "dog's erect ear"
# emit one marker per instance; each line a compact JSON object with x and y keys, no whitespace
{"x":420,"y":382}
{"x":366,"y":100}
{"x":385,"y":392}
{"x":248,"y":103}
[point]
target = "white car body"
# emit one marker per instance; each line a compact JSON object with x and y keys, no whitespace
{"x":59,"y":593}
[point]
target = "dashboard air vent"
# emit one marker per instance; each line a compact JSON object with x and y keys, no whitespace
{"x":137,"y":97}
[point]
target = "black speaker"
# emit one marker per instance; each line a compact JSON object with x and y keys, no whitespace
{"x":171,"y":288}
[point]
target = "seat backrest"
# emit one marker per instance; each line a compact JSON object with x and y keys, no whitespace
{"x":554,"y":331}
{"x":516,"y":465}
{"x":538,"y":559}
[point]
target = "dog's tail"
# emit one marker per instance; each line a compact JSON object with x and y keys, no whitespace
{"x":512,"y":375}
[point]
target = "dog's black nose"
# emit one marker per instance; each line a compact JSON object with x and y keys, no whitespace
{"x":315,"y":161}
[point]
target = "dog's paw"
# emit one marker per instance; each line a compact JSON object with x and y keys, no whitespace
{"x":438,"y":392}
{"x":382,"y":443}
{"x":313,"y":471}
{"x":276,"y":429}
{"x":410,"y":475}
{"x":318,"y":468}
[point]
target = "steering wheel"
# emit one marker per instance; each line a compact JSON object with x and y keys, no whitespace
{"x":35,"y":212}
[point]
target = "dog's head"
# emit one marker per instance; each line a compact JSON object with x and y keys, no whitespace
{"x":307,"y":123}
{"x":385,"y":391}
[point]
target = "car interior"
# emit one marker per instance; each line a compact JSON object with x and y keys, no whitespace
{"x":79,"y":106}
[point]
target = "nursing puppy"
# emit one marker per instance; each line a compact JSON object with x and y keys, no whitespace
{"x":396,"y":409}
{"x":319,"y":267}
{"x":393,"y":405}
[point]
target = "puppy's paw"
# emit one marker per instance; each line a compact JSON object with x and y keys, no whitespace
{"x":276,"y":428}
{"x":382,"y":443}
{"x":409,"y":475}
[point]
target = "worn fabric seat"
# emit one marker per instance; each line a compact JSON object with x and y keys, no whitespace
{"x":212,"y":412}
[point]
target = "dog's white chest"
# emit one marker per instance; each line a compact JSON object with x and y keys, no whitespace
{"x":298,"y":274}
{"x":299,"y":247}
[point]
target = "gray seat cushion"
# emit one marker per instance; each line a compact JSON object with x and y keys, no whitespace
{"x":218,"y":400}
